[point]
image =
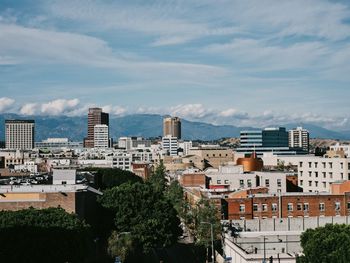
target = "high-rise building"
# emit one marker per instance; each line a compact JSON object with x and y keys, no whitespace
{"x":101,"y":136}
{"x":172,"y":127}
{"x":299,"y":138}
{"x":267,"y":140}
{"x":19,"y":134}
{"x":170,"y":145}
{"x":95,"y":117}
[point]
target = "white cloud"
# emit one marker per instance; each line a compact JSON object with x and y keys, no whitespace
{"x":114,"y":110}
{"x":59,"y":106}
{"x":6,"y":103}
{"x":29,"y":109}
{"x":195,"y":111}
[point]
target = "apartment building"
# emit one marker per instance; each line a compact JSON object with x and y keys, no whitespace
{"x":299,"y":138}
{"x":19,"y":134}
{"x":101,"y":136}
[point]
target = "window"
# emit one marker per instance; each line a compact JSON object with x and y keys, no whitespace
{"x":341,"y":165}
{"x":218,"y":181}
{"x":324,"y":164}
{"x":267,"y":182}
{"x":337,"y":206}
{"x":301,"y":173}
{"x":348,"y":205}
{"x":290,"y":207}
{"x":241,"y":183}
{"x":324,"y":184}
{"x":321,"y":207}
{"x":324,"y":174}
{"x":310,"y":173}
{"x":301,"y":182}
{"x":255,"y":207}
{"x":299,"y":206}
{"x":316,"y":183}
{"x":330,"y":165}
{"x":300,"y":164}
{"x":306,"y":206}
{"x":226,"y":181}
{"x":241,"y":208}
{"x":310,"y":183}
{"x":264,"y":207}
{"x":309,"y":164}
{"x":279,"y":182}
{"x":316,"y":174}
{"x":342,"y":175}
{"x":249,"y":183}
{"x":330,"y":175}
{"x":274,"y":207}
{"x":316,"y":164}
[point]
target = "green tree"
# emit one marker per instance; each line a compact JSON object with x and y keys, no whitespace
{"x":144,"y":212}
{"x":157,"y":179}
{"x":329,"y":244}
{"x":48,"y":235}
{"x":175,"y":195}
{"x":120,"y":244}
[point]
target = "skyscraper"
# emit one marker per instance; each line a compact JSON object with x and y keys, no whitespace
{"x":299,"y":138}
{"x":172,"y":126}
{"x":95,"y":117}
{"x":101,"y":136}
{"x":19,"y":134}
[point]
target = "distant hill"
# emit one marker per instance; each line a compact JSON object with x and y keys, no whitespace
{"x":146,"y":125}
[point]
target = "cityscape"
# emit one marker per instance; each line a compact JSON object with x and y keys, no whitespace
{"x":175,"y":131}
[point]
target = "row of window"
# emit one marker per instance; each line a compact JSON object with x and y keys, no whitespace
{"x":324,"y":174}
{"x":290,"y":207}
{"x":324,"y":184}
{"x":324,"y":165}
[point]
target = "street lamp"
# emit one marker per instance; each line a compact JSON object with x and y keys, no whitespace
{"x":212,"y":239}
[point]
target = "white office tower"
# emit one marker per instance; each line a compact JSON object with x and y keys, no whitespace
{"x":170,"y":145}
{"x":299,"y":138}
{"x":19,"y":134}
{"x":101,"y":136}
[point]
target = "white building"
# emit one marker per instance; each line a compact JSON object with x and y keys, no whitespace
{"x":315,"y":174}
{"x":122,"y":160}
{"x":170,"y":145}
{"x":19,"y":134}
{"x":64,"y":176}
{"x":58,"y":143}
{"x":101,"y":136}
{"x":233,"y":178}
{"x":339,"y":147}
{"x":299,"y":138}
{"x":185,"y":146}
{"x":26,"y":167}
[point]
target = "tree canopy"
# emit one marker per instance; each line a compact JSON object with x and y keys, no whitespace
{"x":329,"y":244}
{"x":47,"y":235}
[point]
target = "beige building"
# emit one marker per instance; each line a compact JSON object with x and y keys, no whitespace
{"x":19,"y":134}
{"x":172,"y":126}
{"x":213,"y":156}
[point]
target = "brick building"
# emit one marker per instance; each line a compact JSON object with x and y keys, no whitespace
{"x":263,"y":205}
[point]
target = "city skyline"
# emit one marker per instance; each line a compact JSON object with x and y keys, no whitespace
{"x":223,"y":62}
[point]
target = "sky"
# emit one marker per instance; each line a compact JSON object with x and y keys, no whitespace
{"x":247,"y":63}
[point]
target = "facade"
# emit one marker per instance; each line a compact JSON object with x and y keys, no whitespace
{"x":267,"y":140}
{"x":339,"y":147}
{"x":64,"y":176}
{"x":287,"y":205}
{"x":172,"y":127}
{"x":58,"y":143}
{"x":95,"y":117}
{"x":131,"y":143}
{"x":213,"y":155}
{"x":299,"y":138}
{"x":19,"y":134}
{"x":101,"y":136}
{"x":170,"y":145}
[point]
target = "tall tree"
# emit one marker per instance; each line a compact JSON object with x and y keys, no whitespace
{"x":157,"y":179}
{"x":329,"y":244}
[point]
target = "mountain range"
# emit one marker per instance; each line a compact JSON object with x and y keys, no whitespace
{"x":147,"y":125}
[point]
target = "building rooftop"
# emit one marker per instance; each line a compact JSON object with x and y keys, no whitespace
{"x":46,"y":188}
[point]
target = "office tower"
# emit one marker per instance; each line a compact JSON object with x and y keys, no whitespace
{"x":170,"y":145}
{"x":19,"y":134}
{"x":299,"y":138}
{"x":172,"y":127}
{"x":95,"y":117}
{"x":267,"y":140}
{"x":101,"y":136}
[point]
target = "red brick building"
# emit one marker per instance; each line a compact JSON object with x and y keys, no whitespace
{"x":286,"y":205}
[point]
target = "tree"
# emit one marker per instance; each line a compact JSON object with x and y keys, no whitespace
{"x":328,"y":244}
{"x":175,"y":195}
{"x":120,"y":244}
{"x":157,"y":179}
{"x":144,"y":212}
{"x":48,"y":235}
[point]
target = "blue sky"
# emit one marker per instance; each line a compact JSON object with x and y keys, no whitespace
{"x":254,"y":62}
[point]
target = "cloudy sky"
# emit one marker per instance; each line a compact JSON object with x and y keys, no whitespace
{"x":251,"y":62}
